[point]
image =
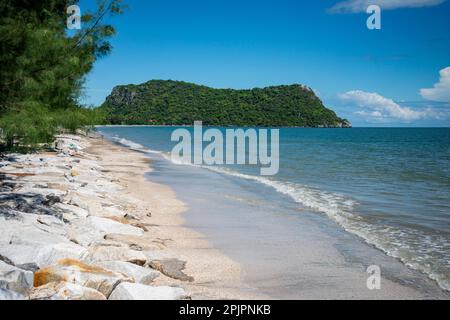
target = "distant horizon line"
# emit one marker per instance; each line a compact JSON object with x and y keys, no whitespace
{"x":215,"y":126}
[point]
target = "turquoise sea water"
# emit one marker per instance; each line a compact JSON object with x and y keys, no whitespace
{"x":388,"y":186}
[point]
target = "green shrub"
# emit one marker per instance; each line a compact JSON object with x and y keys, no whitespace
{"x":27,"y":127}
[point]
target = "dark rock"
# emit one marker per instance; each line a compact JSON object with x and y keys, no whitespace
{"x":29,"y":203}
{"x":40,"y":186}
{"x":7,"y":185}
{"x":130,"y":217}
{"x":6,"y":260}
{"x":51,"y":199}
{"x":33,"y":267}
{"x":7,"y":213}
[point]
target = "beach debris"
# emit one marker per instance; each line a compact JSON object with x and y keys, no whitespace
{"x":74,"y":172}
{"x":136,"y":291}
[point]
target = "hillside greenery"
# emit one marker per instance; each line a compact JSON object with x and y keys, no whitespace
{"x":43,"y":68}
{"x":169,"y":102}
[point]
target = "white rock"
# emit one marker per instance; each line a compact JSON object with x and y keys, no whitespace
{"x":20,"y":254}
{"x":25,"y":233}
{"x":113,"y":212}
{"x":110,"y":253}
{"x":65,"y":291}
{"x":15,"y":279}
{"x":30,"y":189}
{"x":84,"y":235}
{"x":42,"y":255}
{"x":75,"y":271}
{"x":109,"y":226}
{"x":10,"y":295}
{"x":136,"y":291}
{"x":139,"y":274}
{"x":51,"y":254}
{"x":77,"y":202}
{"x":49,"y":221}
{"x":74,"y":210}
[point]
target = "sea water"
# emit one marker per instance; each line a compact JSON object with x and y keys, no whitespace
{"x":389,"y":187}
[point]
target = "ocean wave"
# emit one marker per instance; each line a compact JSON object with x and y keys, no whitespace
{"x":416,"y":249}
{"x":133,"y":145}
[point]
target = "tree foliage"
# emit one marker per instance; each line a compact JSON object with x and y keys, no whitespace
{"x":180,"y":103}
{"x":43,"y":68}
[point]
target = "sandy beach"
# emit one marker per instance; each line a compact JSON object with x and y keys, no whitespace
{"x":87,"y":221}
{"x":80,"y":222}
{"x":215,"y":275}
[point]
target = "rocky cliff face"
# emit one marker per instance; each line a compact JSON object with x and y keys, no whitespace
{"x":121,"y":96}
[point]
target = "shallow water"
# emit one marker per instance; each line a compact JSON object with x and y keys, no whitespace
{"x":389,"y":187}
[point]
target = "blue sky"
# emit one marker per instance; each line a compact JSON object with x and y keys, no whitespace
{"x":371,"y":77}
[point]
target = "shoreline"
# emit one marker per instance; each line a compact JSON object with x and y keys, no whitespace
{"x":84,"y":223}
{"x":354,"y":254}
{"x":216,"y":276}
{"x":283,"y":254}
{"x":100,"y":206}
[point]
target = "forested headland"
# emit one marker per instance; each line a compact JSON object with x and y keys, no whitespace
{"x":160,"y":102}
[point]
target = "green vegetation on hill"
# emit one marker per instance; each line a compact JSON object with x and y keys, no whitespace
{"x":169,"y":102}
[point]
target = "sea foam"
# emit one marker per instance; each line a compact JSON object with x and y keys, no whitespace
{"x":416,"y":250}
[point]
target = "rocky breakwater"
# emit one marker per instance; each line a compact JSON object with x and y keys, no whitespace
{"x":67,"y":231}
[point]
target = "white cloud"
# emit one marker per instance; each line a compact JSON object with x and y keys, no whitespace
{"x":441,"y":90}
{"x":378,"y":107}
{"x":354,"y":6}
